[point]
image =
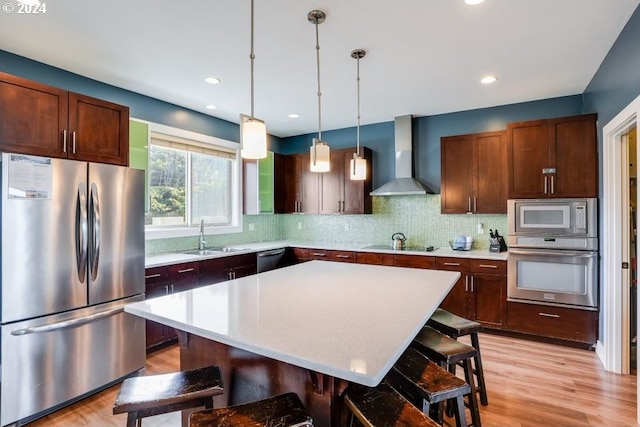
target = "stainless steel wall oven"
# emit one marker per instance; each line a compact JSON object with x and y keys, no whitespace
{"x":553,"y":252}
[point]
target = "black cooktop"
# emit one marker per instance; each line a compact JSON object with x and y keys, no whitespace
{"x":406,"y":249}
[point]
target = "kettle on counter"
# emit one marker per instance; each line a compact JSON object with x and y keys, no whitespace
{"x":398,"y":241}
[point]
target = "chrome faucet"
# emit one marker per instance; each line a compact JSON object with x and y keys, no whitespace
{"x":202,"y":241}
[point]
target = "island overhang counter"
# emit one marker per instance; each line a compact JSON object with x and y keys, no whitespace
{"x":310,"y":328}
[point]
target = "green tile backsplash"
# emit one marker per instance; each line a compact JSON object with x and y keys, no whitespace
{"x":417,"y":217}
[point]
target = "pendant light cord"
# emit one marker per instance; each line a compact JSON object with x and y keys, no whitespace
{"x":358,"y":127}
{"x":252,"y":57}
{"x":319,"y":92}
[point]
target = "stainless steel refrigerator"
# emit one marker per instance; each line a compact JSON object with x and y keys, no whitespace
{"x":72,"y":255}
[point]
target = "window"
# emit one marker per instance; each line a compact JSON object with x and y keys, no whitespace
{"x":191,"y":177}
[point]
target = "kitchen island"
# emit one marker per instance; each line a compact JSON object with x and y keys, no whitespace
{"x":310,"y":328}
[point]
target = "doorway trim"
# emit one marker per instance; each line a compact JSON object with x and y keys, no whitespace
{"x":611,"y":346}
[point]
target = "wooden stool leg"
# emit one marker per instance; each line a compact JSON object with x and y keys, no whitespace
{"x":473,"y":399}
{"x":459,"y":412}
{"x":132,"y":419}
{"x":475,"y":343}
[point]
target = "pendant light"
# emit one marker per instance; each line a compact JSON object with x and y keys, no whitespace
{"x":358,"y":165}
{"x":253,"y":132}
{"x":319,"y":151}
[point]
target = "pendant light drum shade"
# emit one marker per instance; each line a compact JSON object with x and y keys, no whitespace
{"x":320,"y":156}
{"x":358,"y":168}
{"x":253,"y":134}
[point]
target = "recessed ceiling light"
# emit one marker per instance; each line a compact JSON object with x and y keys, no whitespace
{"x":488,"y":79}
{"x":293,"y":116}
{"x":212,"y":80}
{"x":211,"y":107}
{"x":473,"y":2}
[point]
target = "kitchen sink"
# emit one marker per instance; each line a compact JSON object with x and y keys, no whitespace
{"x":202,"y":252}
{"x":211,"y":251}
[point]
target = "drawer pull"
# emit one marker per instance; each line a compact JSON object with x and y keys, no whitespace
{"x":487,"y":266}
{"x":555,"y":316}
{"x":319,"y":254}
{"x":186,"y":270}
{"x":456,"y":264}
{"x":343,"y":256}
{"x":152,"y":276}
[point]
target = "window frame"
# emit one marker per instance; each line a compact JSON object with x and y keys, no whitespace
{"x":189,"y":230}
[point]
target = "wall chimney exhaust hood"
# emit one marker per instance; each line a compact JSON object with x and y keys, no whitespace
{"x":404,"y":184}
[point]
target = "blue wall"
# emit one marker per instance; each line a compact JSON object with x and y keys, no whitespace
{"x":140,"y":106}
{"x":617,"y":81}
{"x":427,"y":132}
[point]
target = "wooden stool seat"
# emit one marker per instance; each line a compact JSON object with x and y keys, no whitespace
{"x":448,"y":353}
{"x":284,"y":410}
{"x":456,"y":326}
{"x":425,"y":384}
{"x":383,"y":406}
{"x":150,"y":395}
{"x":452,"y":325}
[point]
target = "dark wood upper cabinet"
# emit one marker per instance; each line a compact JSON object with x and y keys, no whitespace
{"x":473,"y":178}
{"x":553,"y":158}
{"x":99,"y":130}
{"x":47,"y":121}
{"x":331,"y":192}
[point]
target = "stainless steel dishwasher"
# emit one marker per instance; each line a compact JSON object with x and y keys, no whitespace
{"x":269,"y":260}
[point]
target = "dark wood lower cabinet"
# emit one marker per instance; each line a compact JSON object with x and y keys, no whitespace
{"x":174,"y":278}
{"x":166,"y":280}
{"x":374,"y":258}
{"x":553,"y":322}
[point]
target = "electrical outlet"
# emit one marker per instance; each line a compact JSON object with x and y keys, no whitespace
{"x":480,"y":228}
{"x":299,"y":226}
{"x":252,"y":227}
{"x":346,"y":227}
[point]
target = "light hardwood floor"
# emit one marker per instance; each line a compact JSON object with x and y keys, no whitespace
{"x":530,"y":384}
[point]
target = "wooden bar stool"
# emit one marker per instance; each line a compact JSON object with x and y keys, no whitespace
{"x":425,"y":384}
{"x":382,"y":406}
{"x":448,"y":353}
{"x":284,"y":410}
{"x":150,"y":395}
{"x":456,"y":326}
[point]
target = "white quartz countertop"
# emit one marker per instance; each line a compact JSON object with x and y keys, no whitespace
{"x":350,"y":321}
{"x":158,"y":260}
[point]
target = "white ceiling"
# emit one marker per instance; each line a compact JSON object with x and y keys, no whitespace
{"x":424,"y":57}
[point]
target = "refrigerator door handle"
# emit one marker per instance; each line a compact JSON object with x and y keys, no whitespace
{"x":81,"y":231}
{"x":95,"y":232}
{"x":68,"y":323}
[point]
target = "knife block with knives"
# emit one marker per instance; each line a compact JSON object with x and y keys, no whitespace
{"x":496,"y":242}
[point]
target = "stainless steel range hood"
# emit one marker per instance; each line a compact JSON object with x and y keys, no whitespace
{"x":404,"y":184}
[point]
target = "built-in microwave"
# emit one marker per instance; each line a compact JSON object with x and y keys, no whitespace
{"x":552,"y":217}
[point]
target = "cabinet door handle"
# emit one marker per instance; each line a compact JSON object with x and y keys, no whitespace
{"x":472,"y":283}
{"x":319,"y":254}
{"x":73,"y":141}
{"x":343,"y":256}
{"x":555,"y":316}
{"x":152,"y":276}
{"x":552,"y":191}
{"x":172,"y":288}
{"x":545,"y":184}
{"x":455,"y":264}
{"x":475,"y":204}
{"x":469,"y":204}
{"x":466,"y":283}
{"x":487,"y":266}
{"x":166,"y":290}
{"x":186,"y":270}
{"x":64,"y":141}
